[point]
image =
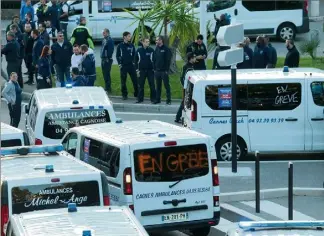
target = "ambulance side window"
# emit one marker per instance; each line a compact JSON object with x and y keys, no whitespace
{"x":70,"y":143}
{"x":110,"y":159}
{"x":317,"y":88}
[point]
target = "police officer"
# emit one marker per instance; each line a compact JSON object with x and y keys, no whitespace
{"x":81,"y":34}
{"x":29,"y":42}
{"x":161,"y":61}
{"x":107,"y":50}
{"x":42,"y":12}
{"x":88,"y":65}
{"x":125,"y":56}
{"x":144,"y":66}
{"x":11,"y":51}
{"x":198,"y":48}
{"x":37,"y":50}
{"x":19,"y":38}
{"x":64,"y":17}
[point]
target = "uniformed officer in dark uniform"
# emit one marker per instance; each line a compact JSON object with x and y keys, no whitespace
{"x":144,"y":66}
{"x":107,"y":50}
{"x":125,"y":56}
{"x":198,"y":48}
{"x":19,"y":38}
{"x":11,"y":51}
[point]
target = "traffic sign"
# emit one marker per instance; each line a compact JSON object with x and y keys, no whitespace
{"x":230,"y":34}
{"x":230,"y":57}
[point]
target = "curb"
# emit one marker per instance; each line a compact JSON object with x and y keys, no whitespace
{"x":270,"y":193}
{"x":316,"y":18}
{"x":125,"y":107}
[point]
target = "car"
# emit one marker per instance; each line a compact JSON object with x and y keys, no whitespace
{"x":11,"y":136}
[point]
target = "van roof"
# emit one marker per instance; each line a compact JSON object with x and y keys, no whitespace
{"x":136,"y":132}
{"x":64,"y":97}
{"x":103,"y":221}
{"x":7,"y":129}
{"x":254,"y":74}
{"x":15,"y":167}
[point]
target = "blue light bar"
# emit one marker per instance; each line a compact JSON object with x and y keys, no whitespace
{"x":49,"y":168}
{"x":91,"y":107}
{"x":118,"y":121}
{"x":72,"y":207}
{"x":248,"y":225}
{"x":101,"y":107}
{"x":285,"y":69}
{"x":75,"y":102}
{"x":86,"y":233}
{"x":162,"y":135}
{"x":68,"y":86}
{"x":31,"y":149}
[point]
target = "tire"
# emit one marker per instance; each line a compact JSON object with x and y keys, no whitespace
{"x":200,"y":231}
{"x":286,"y":31}
{"x":224,"y":147}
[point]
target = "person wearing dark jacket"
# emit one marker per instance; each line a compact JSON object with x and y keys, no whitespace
{"x":161,"y":65}
{"x":28,"y":20}
{"x":77,"y":79}
{"x":81,"y":34}
{"x":43,"y":34}
{"x":53,"y":13}
{"x":44,"y":70}
{"x":29,"y":43}
{"x":272,"y":53}
{"x":190,"y":65}
{"x":106,"y":53}
{"x":11,"y":51}
{"x":15,"y":20}
{"x":19,"y":38}
{"x":61,"y":55}
{"x":64,"y":17}
{"x":125,"y":56}
{"x":247,"y":56}
{"x":37,"y":50}
{"x":292,"y":57}
{"x":260,"y":54}
{"x":144,"y":67}
{"x":28,"y":8}
{"x":42,"y":12}
{"x":88,"y":65}
{"x":198,"y":48}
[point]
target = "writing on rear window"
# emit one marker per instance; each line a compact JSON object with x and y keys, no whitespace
{"x":57,"y":123}
{"x":50,"y":196}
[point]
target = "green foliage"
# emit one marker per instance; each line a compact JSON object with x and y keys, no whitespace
{"x":309,"y":47}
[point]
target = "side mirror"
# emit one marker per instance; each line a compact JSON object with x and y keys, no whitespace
{"x":26,"y":109}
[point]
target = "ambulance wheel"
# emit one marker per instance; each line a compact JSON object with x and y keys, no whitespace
{"x":224,"y":149}
{"x":286,"y":31}
{"x":200,"y":231}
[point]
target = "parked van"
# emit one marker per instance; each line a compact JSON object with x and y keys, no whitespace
{"x":52,"y":112}
{"x":278,"y":18}
{"x":277,"y":112}
{"x":11,"y":136}
{"x":89,"y":221}
{"x":167,"y":174}
{"x":43,"y":177}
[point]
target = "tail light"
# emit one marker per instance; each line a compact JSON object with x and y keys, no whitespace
{"x":216,"y":201}
{"x":306,"y":6}
{"x":128,"y":187}
{"x":4,"y":217}
{"x":215,"y":172}
{"x":194,"y":111}
{"x":106,"y":200}
{"x":38,"y":141}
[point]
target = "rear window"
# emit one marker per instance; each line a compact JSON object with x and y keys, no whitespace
{"x":57,"y":123}
{"x":11,"y":143}
{"x":171,"y":163}
{"x":51,"y":196}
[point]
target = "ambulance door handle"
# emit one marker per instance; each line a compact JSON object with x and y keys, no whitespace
{"x":90,"y":16}
{"x":175,"y":202}
{"x":317,"y":119}
{"x":291,"y":119}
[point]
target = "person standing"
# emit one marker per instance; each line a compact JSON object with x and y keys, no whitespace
{"x":52,"y":32}
{"x":190,"y":65}
{"x":260,"y":54}
{"x":28,"y":8}
{"x":42,"y":12}
{"x":107,"y":50}
{"x":78,"y":79}
{"x":64,"y":17}
{"x":76,"y":57}
{"x":15,"y":20}
{"x":247,"y":62}
{"x":198,"y":48}
{"x":125,"y":56}
{"x":88,"y":65}
{"x":43,"y":33}
{"x":11,"y":51}
{"x":161,"y":63}
{"x":292,"y":57}
{"x":37,"y":51}
{"x":19,"y":38}
{"x":61,"y":58}
{"x":82,"y":35}
{"x":53,"y":13}
{"x":272,"y":53}
{"x":28,"y":20}
{"x":44,"y":69}
{"x":29,"y":42}
{"x":12,"y":94}
{"x":144,"y":66}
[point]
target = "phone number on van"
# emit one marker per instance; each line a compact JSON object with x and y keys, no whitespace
{"x":240,"y":120}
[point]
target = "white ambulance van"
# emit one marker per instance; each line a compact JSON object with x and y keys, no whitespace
{"x":11,"y":136}
{"x":277,"y":112}
{"x":83,"y":221}
{"x":167,"y":174}
{"x":52,"y":112}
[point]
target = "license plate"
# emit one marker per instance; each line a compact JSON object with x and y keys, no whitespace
{"x":175,"y":217}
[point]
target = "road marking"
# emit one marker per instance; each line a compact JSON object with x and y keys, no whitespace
{"x":241,"y":172}
{"x":144,"y":114}
{"x":277,"y":210}
{"x":224,"y":225}
{"x":240,"y":212}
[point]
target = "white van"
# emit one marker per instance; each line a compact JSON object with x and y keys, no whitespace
{"x":11,"y":136}
{"x":87,"y":221}
{"x":167,"y":174}
{"x":43,"y":177}
{"x":51,"y":112}
{"x":280,"y":18}
{"x":278,"y":111}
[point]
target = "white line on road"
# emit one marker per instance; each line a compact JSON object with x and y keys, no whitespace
{"x":277,"y":210}
{"x":240,"y":211}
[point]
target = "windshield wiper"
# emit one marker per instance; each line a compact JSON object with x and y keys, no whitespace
{"x":185,"y":177}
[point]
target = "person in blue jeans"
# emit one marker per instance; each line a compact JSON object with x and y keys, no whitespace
{"x":88,"y":64}
{"x":62,"y":52}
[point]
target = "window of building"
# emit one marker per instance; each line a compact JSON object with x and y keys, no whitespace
{"x":318,"y":93}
